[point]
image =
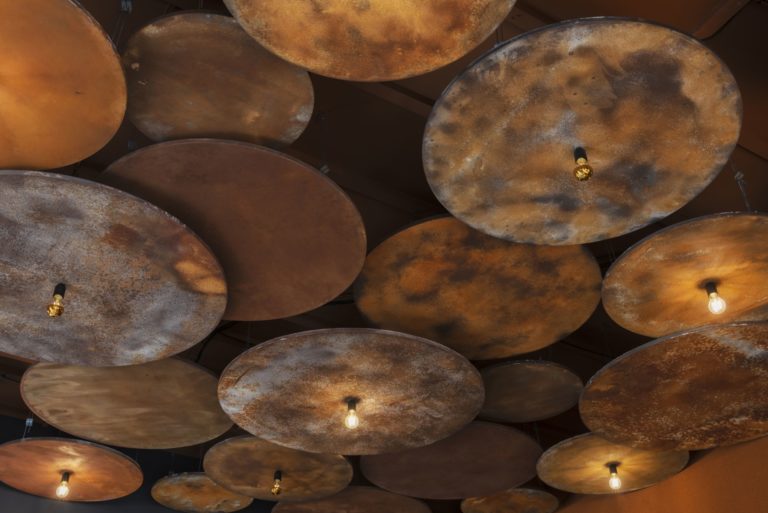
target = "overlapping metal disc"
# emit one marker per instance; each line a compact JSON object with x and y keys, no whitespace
{"x":656,"y":113}
{"x":197,"y":74}
{"x":483,"y":297}
{"x":356,"y":499}
{"x":517,"y":500}
{"x":140,"y":285}
{"x":295,"y":391}
{"x":196,"y":493}
{"x":692,"y":390}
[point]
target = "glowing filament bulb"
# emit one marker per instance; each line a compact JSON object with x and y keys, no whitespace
{"x":614,"y":482}
{"x":716,"y":304}
{"x":352,"y":420}
{"x":63,"y":489}
{"x":276,"y":486}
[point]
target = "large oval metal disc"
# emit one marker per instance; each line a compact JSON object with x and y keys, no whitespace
{"x":356,"y":499}
{"x":295,"y":391}
{"x":692,"y":390}
{"x":140,"y":286}
{"x":172,"y":403}
{"x":518,"y":500}
{"x":581,"y":465}
{"x":197,"y":493}
{"x":288,"y":237}
{"x":656,"y":112}
{"x":97,"y":473}
{"x":370,"y":40}
{"x":62,"y":92}
{"x":658,"y":286}
{"x":481,"y":459}
{"x":200,"y":75}
{"x":247,"y":465}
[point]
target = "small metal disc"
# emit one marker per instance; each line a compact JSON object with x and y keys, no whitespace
{"x":296,"y":391}
{"x":693,"y":390}
{"x":196,"y":493}
{"x":197,"y":74}
{"x":581,"y":465}
{"x":356,"y":499}
{"x":481,"y":459}
{"x":517,"y":500}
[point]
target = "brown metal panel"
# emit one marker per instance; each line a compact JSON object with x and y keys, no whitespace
{"x":356,"y":499}
{"x":196,"y":493}
{"x":518,"y":500}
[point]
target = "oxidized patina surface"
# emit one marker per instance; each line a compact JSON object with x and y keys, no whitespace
{"x":294,"y":390}
{"x":483,"y":297}
{"x":580,"y":465}
{"x":518,"y":500}
{"x":370,"y":40}
{"x":201,"y":75}
{"x":97,"y":473}
{"x":195,"y":492}
{"x":156,"y":405}
{"x":356,"y":499}
{"x":481,"y":459}
{"x":657,"y":113}
{"x":658,"y":286}
{"x":140,"y":286}
{"x":288,"y":237}
{"x":62,"y":92}
{"x":693,"y":390}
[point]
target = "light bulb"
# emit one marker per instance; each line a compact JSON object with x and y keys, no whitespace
{"x":276,"y":487}
{"x":716,"y":304}
{"x":62,"y":491}
{"x":614,"y":482}
{"x":351,"y":420}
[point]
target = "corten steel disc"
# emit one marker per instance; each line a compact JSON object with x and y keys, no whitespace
{"x":247,"y":465}
{"x":97,"y":473}
{"x":196,"y":493}
{"x":528,"y":390}
{"x":356,"y":499}
{"x":655,"y":111}
{"x":658,"y":286}
{"x":288,"y":237}
{"x":483,"y":297}
{"x":518,"y":500}
{"x":62,"y":90}
{"x":580,"y":465}
{"x":200,"y":75}
{"x":295,"y":391}
{"x":156,"y":405}
{"x":370,"y":40}
{"x":140,"y":286}
{"x":694,"y":390}
{"x":481,"y":459}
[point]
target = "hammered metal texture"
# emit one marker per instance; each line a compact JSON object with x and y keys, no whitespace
{"x":658,"y":286}
{"x":294,"y":390}
{"x":657,"y":113}
{"x":518,"y":500}
{"x":196,"y":493}
{"x":356,"y":499}
{"x":200,"y":75}
{"x":370,"y":40}
{"x":481,"y":459}
{"x":693,"y":390}
{"x":140,"y":285}
{"x":288,"y":237}
{"x":62,"y":93}
{"x":483,"y":297}
{"x":97,"y":473}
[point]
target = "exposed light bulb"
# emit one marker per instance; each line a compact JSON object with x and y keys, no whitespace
{"x":62,"y":491}
{"x":276,"y":486}
{"x":352,"y":420}
{"x":716,"y":304}
{"x":614,"y":482}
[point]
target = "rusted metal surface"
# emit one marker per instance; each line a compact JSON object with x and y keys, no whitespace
{"x":481,"y":459}
{"x":294,"y":390}
{"x":140,"y":286}
{"x":657,"y":113}
{"x":528,"y":390}
{"x":693,"y":390}
{"x":62,"y":93}
{"x":370,"y":40}
{"x":196,"y":493}
{"x":518,"y":500}
{"x":97,"y":473}
{"x":483,"y":297}
{"x":172,"y":403}
{"x":657,"y":287}
{"x":356,"y":499}
{"x":200,"y":75}
{"x":288,"y":237}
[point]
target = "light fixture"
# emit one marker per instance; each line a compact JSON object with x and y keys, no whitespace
{"x":583,"y":171}
{"x":614,"y":482}
{"x":716,"y":304}
{"x":56,"y":307}
{"x":276,"y":486}
{"x":62,"y":491}
{"x":352,"y":420}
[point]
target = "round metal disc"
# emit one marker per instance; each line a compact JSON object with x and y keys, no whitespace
{"x":580,"y":465}
{"x":62,"y":91}
{"x":294,"y":391}
{"x":370,"y":40}
{"x":658,"y":286}
{"x":172,"y":403}
{"x":247,"y":465}
{"x":288,"y":237}
{"x":518,"y":500}
{"x":528,"y":390}
{"x":693,"y":390}
{"x":197,"y":493}
{"x":481,"y":459}
{"x":140,"y":286}
{"x":97,"y":473}
{"x":200,"y":75}
{"x":483,"y":297}
{"x":356,"y":499}
{"x":656,"y":112}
